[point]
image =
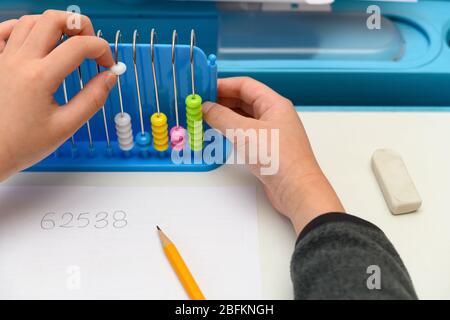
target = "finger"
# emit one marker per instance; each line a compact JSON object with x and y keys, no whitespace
{"x":51,"y":26}
{"x":86,"y":103}
{"x":72,"y":52}
{"x":243,"y":113}
{"x":5,"y":30}
{"x":223,"y":118}
{"x":236,"y":104}
{"x":260,"y":97}
{"x":20,"y":32}
{"x":243,"y":129}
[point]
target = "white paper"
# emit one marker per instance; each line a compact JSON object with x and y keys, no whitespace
{"x":99,"y":255}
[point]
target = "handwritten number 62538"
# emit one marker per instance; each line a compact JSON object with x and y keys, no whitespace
{"x":98,"y":220}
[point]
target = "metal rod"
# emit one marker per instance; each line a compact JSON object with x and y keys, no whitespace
{"x":88,"y":125}
{"x":191,"y":58}
{"x":174,"y":75}
{"x":152,"y":53}
{"x":138,"y":90}
{"x":116,"y":56}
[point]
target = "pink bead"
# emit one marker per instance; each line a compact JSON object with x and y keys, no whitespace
{"x":177,"y":137}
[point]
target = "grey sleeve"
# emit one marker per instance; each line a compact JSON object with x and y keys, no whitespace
{"x":340,"y":256}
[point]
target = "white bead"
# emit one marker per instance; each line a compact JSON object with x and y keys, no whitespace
{"x":122,"y":119}
{"x":119,"y":68}
{"x":124,"y":131}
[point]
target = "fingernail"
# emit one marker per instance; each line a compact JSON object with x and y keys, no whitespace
{"x":207,"y":106}
{"x":110,"y":79}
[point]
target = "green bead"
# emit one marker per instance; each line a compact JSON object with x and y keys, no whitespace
{"x":195,"y":132}
{"x":193,"y":108}
{"x":194,"y":119}
{"x":195,"y":135}
{"x":193,"y":112}
{"x":195,"y":124}
{"x":193,"y":101}
{"x":195,"y":116}
{"x":196,"y":146}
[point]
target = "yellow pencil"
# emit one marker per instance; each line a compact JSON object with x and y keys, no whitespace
{"x":180,"y":268}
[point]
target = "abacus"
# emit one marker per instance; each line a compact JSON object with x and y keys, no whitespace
{"x":154,"y":110}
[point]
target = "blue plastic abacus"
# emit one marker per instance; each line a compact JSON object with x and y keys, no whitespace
{"x":82,"y":157}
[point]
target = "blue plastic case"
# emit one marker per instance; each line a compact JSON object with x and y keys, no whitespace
{"x":100,"y":158}
{"x":319,"y":60}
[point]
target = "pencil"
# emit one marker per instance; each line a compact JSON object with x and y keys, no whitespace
{"x":180,"y":268}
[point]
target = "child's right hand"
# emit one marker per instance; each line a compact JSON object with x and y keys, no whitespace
{"x":299,"y":189}
{"x":32,"y":67}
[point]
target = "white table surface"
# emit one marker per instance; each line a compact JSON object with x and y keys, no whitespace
{"x":344,"y":143}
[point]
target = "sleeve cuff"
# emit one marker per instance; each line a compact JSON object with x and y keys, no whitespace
{"x":333,"y":217}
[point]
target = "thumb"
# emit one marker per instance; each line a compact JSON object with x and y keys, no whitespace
{"x":87,"y":102}
{"x":242,"y":134}
{"x":223,"y":118}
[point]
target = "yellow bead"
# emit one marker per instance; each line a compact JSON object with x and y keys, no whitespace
{"x":161,"y":148}
{"x":160,"y":131}
{"x":158,"y":119}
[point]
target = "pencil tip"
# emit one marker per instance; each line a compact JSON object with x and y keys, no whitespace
{"x":157,"y":227}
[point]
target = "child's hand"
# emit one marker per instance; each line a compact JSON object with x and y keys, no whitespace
{"x":299,"y":189}
{"x":32,"y":124}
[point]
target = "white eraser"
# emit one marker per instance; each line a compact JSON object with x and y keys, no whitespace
{"x":395,"y":182}
{"x":119,"y":68}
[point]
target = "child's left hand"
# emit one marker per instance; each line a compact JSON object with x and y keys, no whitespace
{"x":32,"y":67}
